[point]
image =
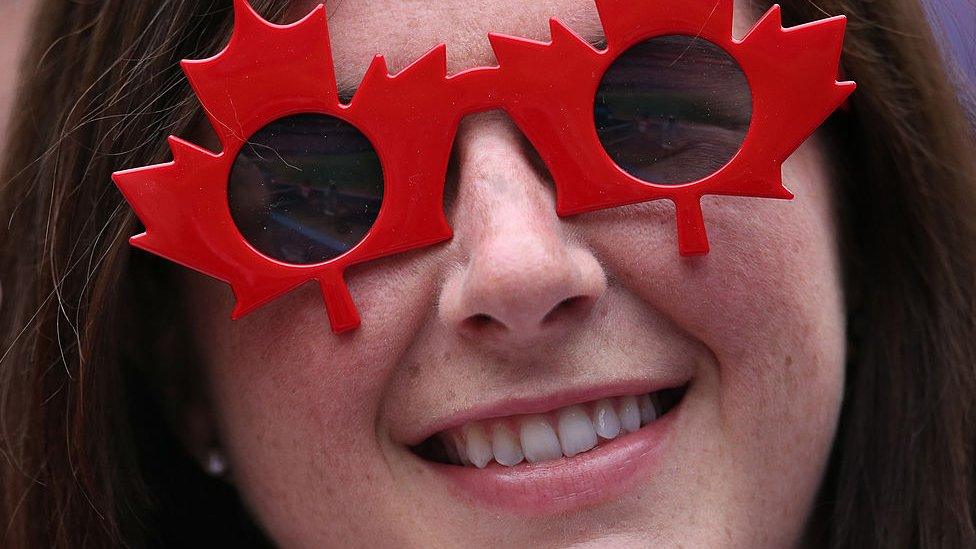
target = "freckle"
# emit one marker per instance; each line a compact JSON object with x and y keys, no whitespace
{"x":789,"y":360}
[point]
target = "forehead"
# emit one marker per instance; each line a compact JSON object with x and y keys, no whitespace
{"x":402,"y":30}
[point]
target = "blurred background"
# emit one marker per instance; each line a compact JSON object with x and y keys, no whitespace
{"x":14,"y":15}
{"x":955,"y":22}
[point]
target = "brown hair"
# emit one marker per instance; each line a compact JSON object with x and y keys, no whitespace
{"x":88,"y":458}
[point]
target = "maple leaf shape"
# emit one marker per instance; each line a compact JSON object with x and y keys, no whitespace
{"x":267,"y":72}
{"x":791,"y":74}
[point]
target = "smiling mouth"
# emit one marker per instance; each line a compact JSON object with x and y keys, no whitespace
{"x":554,"y":435}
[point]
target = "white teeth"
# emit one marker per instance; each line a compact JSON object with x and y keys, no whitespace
{"x":479,"y":449}
{"x":578,"y":428}
{"x":505,"y":445}
{"x":629,"y":414}
{"x":576,"y":432}
{"x":539,"y":441}
{"x":605,"y":419}
{"x":647,"y":411}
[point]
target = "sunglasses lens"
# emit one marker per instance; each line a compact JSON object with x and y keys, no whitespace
{"x":673,"y":109}
{"x":305,"y":188}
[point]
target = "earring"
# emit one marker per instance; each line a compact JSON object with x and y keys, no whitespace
{"x":215,"y":464}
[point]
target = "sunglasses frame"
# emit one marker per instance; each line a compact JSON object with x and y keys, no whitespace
{"x":268,"y":72}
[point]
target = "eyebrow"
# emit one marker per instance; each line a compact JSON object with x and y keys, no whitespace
{"x":347,"y":90}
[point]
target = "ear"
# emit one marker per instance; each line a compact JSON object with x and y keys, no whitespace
{"x":164,"y":356}
{"x":185,"y":405}
{"x":198,"y":419}
{"x":194,"y":421}
{"x":179,"y":373}
{"x":197,"y":431}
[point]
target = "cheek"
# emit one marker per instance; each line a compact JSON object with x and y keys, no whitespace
{"x":769,"y":291}
{"x":767,"y":304}
{"x":296,"y":406}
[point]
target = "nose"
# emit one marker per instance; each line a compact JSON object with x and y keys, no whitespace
{"x":523,"y":276}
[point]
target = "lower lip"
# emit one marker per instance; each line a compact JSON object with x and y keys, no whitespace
{"x":597,"y":475}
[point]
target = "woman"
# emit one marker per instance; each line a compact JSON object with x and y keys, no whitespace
{"x":813,"y":373}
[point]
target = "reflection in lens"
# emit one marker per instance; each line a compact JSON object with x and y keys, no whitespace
{"x":672,"y":109}
{"x":305,"y":188}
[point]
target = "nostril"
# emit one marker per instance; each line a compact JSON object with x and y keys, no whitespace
{"x":481,"y":322}
{"x":570,"y":306}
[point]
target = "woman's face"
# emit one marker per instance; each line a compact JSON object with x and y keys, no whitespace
{"x":518,"y":338}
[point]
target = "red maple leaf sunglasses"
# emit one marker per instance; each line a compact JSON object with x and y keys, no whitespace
{"x":306,"y":184}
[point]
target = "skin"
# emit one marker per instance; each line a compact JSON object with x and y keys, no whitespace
{"x":309,"y":422}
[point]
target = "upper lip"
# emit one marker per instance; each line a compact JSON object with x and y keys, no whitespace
{"x":535,"y":404}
